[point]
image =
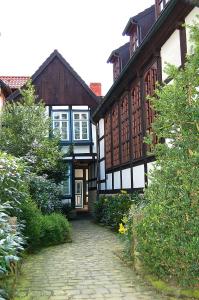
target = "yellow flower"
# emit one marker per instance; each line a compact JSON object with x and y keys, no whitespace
{"x":122,"y":229}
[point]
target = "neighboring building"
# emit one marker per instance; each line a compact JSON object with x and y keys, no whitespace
{"x":5,"y":91}
{"x":124,"y":116}
{"x":70,"y":103}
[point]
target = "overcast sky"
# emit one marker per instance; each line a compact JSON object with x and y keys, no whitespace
{"x":84,"y":31}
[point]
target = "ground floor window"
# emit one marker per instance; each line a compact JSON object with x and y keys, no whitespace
{"x":66,"y":183}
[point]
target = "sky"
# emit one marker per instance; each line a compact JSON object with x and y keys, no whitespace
{"x":85,"y":32}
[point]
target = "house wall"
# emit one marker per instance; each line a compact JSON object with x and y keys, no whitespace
{"x":171,"y":52}
{"x":190,"y":18}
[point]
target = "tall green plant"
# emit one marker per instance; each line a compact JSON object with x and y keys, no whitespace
{"x":25,"y":133}
{"x":168,"y":234}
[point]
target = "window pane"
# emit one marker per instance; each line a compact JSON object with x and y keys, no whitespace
{"x":56,"y":116}
{"x":64,"y":134}
{"x":64,"y":116}
{"x":76,"y":116}
{"x":84,"y":116}
{"x":66,"y":186}
{"x":56,"y":124}
{"x":77,"y":130}
{"x":64,"y":124}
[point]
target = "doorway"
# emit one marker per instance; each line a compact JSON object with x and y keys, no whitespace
{"x":79,"y":193}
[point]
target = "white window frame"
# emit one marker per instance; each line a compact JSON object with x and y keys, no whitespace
{"x":60,"y":120}
{"x":80,"y":120}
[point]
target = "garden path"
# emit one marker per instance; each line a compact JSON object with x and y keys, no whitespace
{"x":88,"y":268}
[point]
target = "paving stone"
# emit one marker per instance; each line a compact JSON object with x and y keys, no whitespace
{"x":86,"y":269}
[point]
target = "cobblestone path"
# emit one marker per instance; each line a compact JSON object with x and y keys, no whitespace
{"x":87,"y":268}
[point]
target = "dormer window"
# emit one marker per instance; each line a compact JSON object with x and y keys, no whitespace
{"x":116,"y":68}
{"x":160,"y":5}
{"x":134,"y":40}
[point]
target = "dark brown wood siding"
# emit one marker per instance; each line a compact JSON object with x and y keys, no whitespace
{"x":57,"y":86}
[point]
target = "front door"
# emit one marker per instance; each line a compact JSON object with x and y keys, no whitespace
{"x":79,"y":193}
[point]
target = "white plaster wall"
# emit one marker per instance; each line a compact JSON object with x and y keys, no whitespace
{"x":102,"y":170}
{"x":60,"y":107}
{"x":101,"y":127}
{"x":117,"y":181}
{"x":94,"y":138}
{"x":170,"y":52}
{"x":81,"y":149}
{"x":47,"y":111}
{"x":78,"y":173}
{"x":188,"y":21}
{"x":79,"y":107}
{"x":126,"y":178}
{"x":138,"y":177}
{"x":109,"y":181}
{"x":102,"y":148}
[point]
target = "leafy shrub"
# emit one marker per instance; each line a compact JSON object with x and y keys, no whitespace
{"x":32,"y":218}
{"x":110,"y":210}
{"x":168,"y":233}
{"x":55,"y":229}
{"x":13,"y":188}
{"x":11,"y":241}
{"x":45,"y":193}
{"x":43,"y":230}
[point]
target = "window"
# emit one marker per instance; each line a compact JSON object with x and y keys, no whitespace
{"x":116,"y":68}
{"x":61,"y":124}
{"x":124,"y":134}
{"x":150,"y":80}
{"x":160,"y":5}
{"x":134,"y":41}
{"x":136,"y":126}
{"x":115,"y":134}
{"x":107,"y":127}
{"x":80,"y":126}
{"x":66,"y":183}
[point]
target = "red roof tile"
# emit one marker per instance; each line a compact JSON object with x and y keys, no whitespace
{"x":14,"y":82}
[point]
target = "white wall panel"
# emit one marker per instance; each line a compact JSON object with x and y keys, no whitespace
{"x":101,"y":143}
{"x":80,"y":107}
{"x":170,"y":52}
{"x":47,"y":110}
{"x":109,"y":181}
{"x":60,"y":107}
{"x":126,"y":178}
{"x":138,"y":177}
{"x":78,"y":173}
{"x":101,"y":127}
{"x":189,"y":20}
{"x":94,"y":137}
{"x":102,"y":170}
{"x":81,"y":149}
{"x":117,"y":180}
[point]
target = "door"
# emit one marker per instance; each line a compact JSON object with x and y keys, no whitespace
{"x":79,"y":193}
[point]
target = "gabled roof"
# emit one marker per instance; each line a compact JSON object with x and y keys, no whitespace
{"x":121,"y":52}
{"x":14,"y":82}
{"x":136,"y":19}
{"x":53,"y":55}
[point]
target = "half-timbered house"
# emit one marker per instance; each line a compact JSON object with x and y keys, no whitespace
{"x":124,"y":116}
{"x":69,"y":102}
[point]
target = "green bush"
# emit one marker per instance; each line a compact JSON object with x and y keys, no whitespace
{"x":168,"y":232}
{"x":43,"y":230}
{"x":55,"y":229}
{"x":45,"y":193}
{"x":110,"y":210}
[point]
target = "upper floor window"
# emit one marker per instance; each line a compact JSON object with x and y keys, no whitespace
{"x":116,"y":68}
{"x":61,"y":124}
{"x":134,"y":40}
{"x":80,"y":126}
{"x":160,"y":5}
